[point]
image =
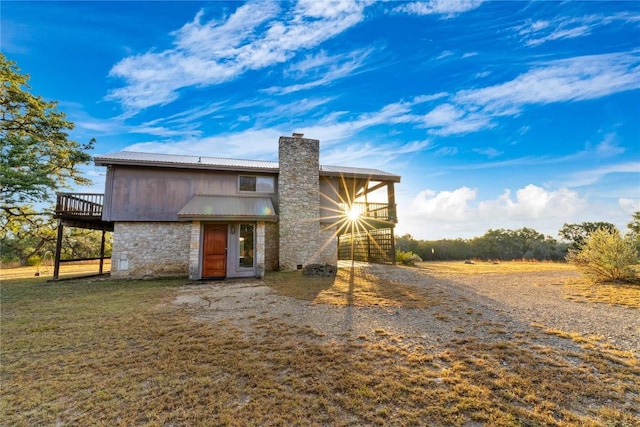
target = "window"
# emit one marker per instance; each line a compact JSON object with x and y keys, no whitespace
{"x":258,"y":184}
{"x":245,"y":246}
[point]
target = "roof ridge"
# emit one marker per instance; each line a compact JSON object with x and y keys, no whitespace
{"x":191,"y":155}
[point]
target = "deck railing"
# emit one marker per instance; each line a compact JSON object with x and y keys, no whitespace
{"x":85,"y":205}
{"x":373,"y":211}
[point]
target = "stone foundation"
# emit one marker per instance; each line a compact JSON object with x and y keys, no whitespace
{"x":150,"y":249}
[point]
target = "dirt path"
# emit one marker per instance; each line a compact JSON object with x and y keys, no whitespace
{"x":485,"y":306}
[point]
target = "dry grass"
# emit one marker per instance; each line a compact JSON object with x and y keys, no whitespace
{"x":101,"y":352}
{"x":67,"y":270}
{"x":502,"y":267}
{"x":582,"y":290}
{"x":576,"y":289}
{"x":354,"y":287}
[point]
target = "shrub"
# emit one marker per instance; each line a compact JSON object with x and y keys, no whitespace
{"x":33,"y":260}
{"x":606,"y":257}
{"x":407,"y":258}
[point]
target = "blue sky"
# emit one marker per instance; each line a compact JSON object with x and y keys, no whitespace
{"x":501,"y":114}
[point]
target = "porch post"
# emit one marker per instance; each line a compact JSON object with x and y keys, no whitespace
{"x":56,"y":266}
{"x":393,"y":218}
{"x":102,"y":252}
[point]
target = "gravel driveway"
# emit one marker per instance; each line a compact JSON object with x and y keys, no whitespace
{"x":485,"y":306}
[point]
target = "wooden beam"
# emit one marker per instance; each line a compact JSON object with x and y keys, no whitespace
{"x":91,"y":225}
{"x":372,"y":189}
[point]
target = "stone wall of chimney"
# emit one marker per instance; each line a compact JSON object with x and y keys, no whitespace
{"x":301,"y":239}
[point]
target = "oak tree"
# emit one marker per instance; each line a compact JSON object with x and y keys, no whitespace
{"x":37,"y":157}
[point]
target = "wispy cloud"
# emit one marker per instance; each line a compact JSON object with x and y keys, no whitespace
{"x":257,"y":35}
{"x":565,"y":80}
{"x":488,"y":151}
{"x":535,"y":33}
{"x":591,"y":176}
{"x":321,"y":70}
{"x":446,"y":8}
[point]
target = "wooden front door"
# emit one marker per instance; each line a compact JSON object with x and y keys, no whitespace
{"x":214,"y":251}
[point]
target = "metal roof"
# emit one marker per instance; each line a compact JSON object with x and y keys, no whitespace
{"x":134,"y":158}
{"x":229,"y":208}
{"x":348,"y":172}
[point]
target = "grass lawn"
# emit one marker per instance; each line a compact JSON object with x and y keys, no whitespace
{"x":119,"y":353}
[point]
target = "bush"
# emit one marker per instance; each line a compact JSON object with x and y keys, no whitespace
{"x":407,"y":258}
{"x":606,"y":257}
{"x":33,"y":261}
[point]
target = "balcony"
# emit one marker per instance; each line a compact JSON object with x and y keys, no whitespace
{"x":371,"y":215}
{"x":80,"y":206}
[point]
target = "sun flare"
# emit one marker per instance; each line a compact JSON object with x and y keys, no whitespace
{"x":353,"y":214}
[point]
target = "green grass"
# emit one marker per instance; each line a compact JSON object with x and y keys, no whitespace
{"x":101,"y":352}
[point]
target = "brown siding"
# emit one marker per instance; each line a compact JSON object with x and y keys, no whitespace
{"x":157,"y":194}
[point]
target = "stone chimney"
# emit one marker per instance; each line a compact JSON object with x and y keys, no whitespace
{"x":299,"y":201}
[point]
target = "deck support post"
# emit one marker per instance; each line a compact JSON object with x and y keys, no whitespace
{"x":393,"y":217}
{"x":102,"y":252}
{"x":56,"y":267}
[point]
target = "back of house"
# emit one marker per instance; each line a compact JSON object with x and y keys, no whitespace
{"x":212,"y":218}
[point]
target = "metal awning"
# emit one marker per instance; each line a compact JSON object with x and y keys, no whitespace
{"x":228,"y":208}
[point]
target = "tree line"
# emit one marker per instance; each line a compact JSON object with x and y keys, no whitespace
{"x":505,"y":245}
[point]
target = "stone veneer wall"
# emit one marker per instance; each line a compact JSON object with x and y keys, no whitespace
{"x":329,"y":249}
{"x":271,"y":246}
{"x":194,"y":250}
{"x":301,"y":239}
{"x":150,"y":249}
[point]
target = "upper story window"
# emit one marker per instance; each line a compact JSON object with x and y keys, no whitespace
{"x":258,"y":184}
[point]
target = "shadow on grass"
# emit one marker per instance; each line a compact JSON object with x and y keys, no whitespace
{"x":352,"y":286}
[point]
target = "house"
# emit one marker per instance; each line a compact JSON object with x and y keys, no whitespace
{"x":209,"y":217}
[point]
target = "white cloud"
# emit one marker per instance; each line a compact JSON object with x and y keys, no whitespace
{"x":535,"y":33}
{"x":630,"y":206}
{"x":458,"y":213}
{"x":591,"y":176}
{"x":250,"y":144}
{"x":323,"y":70}
{"x":448,"y":8}
{"x":573,"y":79}
{"x":370,"y":155}
{"x":257,"y":35}
{"x":488,"y":151}
{"x":608,"y":147}
{"x":445,"y":205}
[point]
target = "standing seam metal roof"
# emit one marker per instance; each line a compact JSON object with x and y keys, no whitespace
{"x":214,"y":207}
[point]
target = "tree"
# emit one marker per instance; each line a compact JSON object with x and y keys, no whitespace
{"x":606,"y":257}
{"x":27,"y":235}
{"x":634,"y":225}
{"x":37,"y":157}
{"x":634,"y":230}
{"x":579,"y":233}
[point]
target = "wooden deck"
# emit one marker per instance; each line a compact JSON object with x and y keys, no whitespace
{"x":82,"y":210}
